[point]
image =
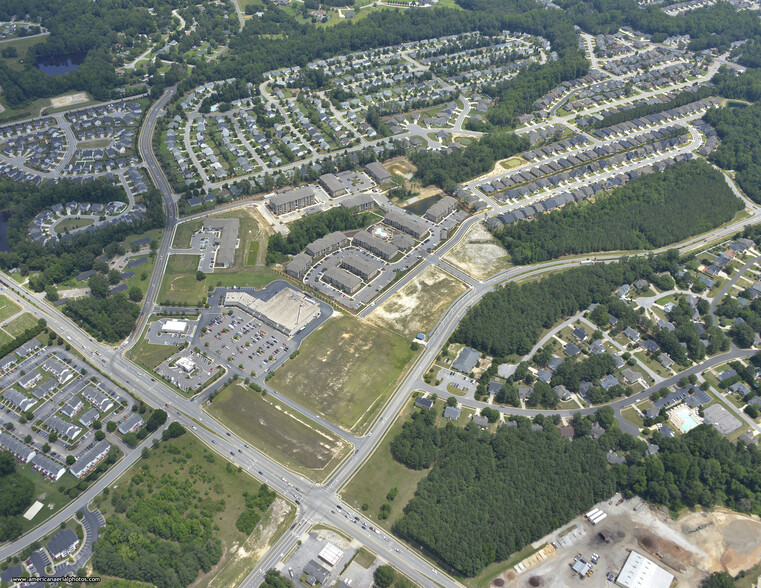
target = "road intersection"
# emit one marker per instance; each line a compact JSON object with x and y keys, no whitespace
{"x":318,"y":502}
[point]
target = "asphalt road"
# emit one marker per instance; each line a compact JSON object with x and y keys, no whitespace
{"x":317,"y":501}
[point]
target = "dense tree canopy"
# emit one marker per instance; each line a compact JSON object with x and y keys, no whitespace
{"x":472,"y":507}
{"x":650,"y":212}
{"x":510,"y":319}
{"x":309,"y":228}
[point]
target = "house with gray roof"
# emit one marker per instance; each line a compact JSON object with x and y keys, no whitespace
{"x":451,"y":413}
{"x":467,"y":360}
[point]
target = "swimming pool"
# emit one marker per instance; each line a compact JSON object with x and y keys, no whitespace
{"x":688,"y":421}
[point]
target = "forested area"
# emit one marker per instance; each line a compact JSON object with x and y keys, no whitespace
{"x":510,"y":319}
{"x":307,"y":229}
{"x":446,"y":170}
{"x":75,"y":28}
{"x":717,"y":26}
{"x":649,"y":212}
{"x":108,"y":319}
{"x":489,"y":495}
{"x":165,"y":528}
{"x":69,"y":257}
{"x":740,"y":146}
{"x":16,"y":495}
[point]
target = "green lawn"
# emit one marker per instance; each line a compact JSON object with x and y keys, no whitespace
{"x":184,"y":232}
{"x":345,"y":370}
{"x":179,"y":285}
{"x":47,"y":492}
{"x":21,"y":324}
{"x":69,"y":224}
{"x":631,"y":415}
{"x":150,"y":356}
{"x":253,"y":253}
{"x":380,"y":473}
{"x":215,"y":482}
{"x":273,"y":428}
{"x":7,"y":308}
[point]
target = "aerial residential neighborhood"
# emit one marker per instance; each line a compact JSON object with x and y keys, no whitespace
{"x":397,"y":293}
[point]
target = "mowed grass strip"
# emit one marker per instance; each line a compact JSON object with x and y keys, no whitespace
{"x":8,"y":308}
{"x":344,"y":369}
{"x":274,"y":429}
{"x":149,"y":355}
{"x":180,"y":285}
{"x":379,"y":474}
{"x":21,"y":324}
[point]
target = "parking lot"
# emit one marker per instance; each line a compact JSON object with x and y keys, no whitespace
{"x":155,"y":336}
{"x":187,"y":370}
{"x":239,"y":339}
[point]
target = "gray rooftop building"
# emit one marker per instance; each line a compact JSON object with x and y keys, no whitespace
{"x":85,"y":465}
{"x":18,"y":400}
{"x":132,"y":424}
{"x":374,"y":245}
{"x":227,"y":242}
{"x":441,"y":209}
{"x":343,"y":280}
{"x":361,"y":202}
{"x":467,"y":360}
{"x":359,"y":266}
{"x":292,"y":200}
{"x":326,"y":244}
{"x":20,"y":451}
{"x":407,"y":223}
{"x":377,"y":172}
{"x":332,"y":186}
{"x":299,"y":265}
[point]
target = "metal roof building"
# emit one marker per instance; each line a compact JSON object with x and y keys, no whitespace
{"x":640,"y":572}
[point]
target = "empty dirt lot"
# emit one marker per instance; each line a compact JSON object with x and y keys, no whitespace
{"x":478,"y":253}
{"x":690,"y":548}
{"x":417,"y":307}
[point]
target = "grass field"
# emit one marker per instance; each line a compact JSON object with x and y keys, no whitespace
{"x":253,"y":253}
{"x":47,"y":492}
{"x":273,"y":428}
{"x":21,"y":324}
{"x":148,"y":355}
{"x":417,"y":307}
{"x":478,"y":253}
{"x":7,"y":308}
{"x":179,"y":285}
{"x":380,"y":473}
{"x":184,"y":232}
{"x":147,"y":268}
{"x":345,"y":370}
{"x":69,"y":224}
{"x":22,"y":45}
{"x":190,"y":461}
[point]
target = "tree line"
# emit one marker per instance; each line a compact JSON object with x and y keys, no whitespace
{"x":309,"y":228}
{"x":446,"y":170}
{"x":649,"y":212}
{"x":510,"y":319}
{"x":489,"y":495}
